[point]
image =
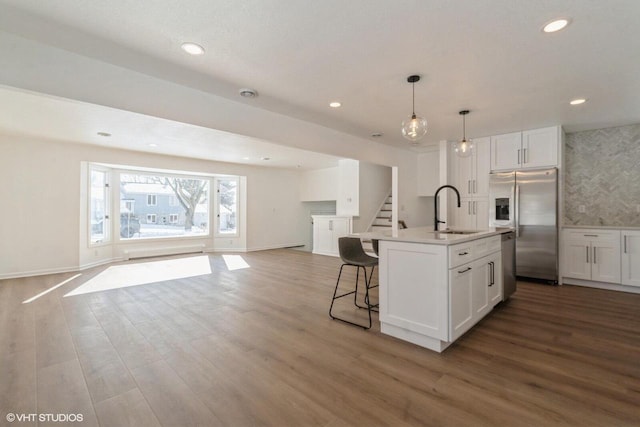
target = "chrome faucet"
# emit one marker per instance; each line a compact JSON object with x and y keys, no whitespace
{"x":436,"y":221}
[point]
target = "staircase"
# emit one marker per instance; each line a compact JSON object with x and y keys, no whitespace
{"x":381,"y":222}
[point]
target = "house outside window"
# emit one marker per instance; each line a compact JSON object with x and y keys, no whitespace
{"x":173,"y":218}
{"x":152,"y":200}
{"x":151,"y":218}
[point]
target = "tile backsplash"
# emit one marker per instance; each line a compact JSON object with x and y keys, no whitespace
{"x":602,"y":174}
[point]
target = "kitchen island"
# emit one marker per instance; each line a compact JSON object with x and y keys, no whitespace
{"x":434,"y":286}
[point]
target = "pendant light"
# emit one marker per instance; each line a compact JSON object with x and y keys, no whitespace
{"x":414,"y":127}
{"x":464,"y":147}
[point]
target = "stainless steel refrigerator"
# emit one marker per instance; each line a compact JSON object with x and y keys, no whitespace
{"x":527,"y":201}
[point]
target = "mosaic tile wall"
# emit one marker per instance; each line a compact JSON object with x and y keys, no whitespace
{"x":602,"y":172}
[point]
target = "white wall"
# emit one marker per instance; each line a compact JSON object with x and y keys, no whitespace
{"x":375,"y":185}
{"x":40,"y":216}
{"x":319,"y":185}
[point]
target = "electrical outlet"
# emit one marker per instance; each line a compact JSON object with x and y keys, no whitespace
{"x":582,"y":209}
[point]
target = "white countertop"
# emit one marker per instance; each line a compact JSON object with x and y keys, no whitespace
{"x":426,"y":235}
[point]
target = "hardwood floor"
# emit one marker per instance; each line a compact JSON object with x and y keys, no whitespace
{"x":255,"y":346}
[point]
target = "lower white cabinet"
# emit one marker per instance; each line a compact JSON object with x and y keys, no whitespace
{"x":474,"y":289}
{"x":327,"y":229}
{"x":630,"y":257}
{"x":592,"y":254}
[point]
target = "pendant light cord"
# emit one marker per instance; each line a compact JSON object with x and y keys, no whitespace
{"x":464,"y":128}
{"x":413,"y":97}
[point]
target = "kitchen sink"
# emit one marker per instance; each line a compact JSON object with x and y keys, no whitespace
{"x":458,"y":232}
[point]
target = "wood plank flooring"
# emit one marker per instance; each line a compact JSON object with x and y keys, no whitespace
{"x":256,"y":347}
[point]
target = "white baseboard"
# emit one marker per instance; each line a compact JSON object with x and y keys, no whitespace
{"x":42,"y":272}
{"x":218,"y":249}
{"x":281,"y":246}
{"x":99,"y":263}
{"x":601,"y":285}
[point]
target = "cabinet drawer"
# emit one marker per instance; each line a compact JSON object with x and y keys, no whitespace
{"x":484,"y":247}
{"x":461,"y":253}
{"x":592,"y":235}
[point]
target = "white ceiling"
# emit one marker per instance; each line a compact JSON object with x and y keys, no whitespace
{"x":487,"y":56}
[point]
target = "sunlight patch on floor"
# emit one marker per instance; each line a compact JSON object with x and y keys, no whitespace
{"x":123,"y":276}
{"x":235,"y":262}
{"x":53,"y":288}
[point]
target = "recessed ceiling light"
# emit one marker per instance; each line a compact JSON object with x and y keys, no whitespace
{"x":335,"y":104}
{"x":152,"y":145}
{"x":248,"y":93}
{"x":192,"y":48}
{"x":266,"y":158}
{"x":376,"y":134}
{"x":245,"y":158}
{"x":578,"y":101}
{"x":556,"y":25}
{"x":105,"y":134}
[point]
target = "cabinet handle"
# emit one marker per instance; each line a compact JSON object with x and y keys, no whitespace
{"x":469,"y":208}
{"x":590,"y":235}
{"x":625,"y":244}
{"x":469,"y":186}
{"x":465,"y":270}
{"x":463,"y":253}
{"x":330,"y":225}
{"x":524,"y":156}
{"x":594,"y":254}
{"x":518,"y":156}
{"x":474,"y":207}
{"x":475,"y":186}
{"x":587,"y":248}
{"x":491,"y":273}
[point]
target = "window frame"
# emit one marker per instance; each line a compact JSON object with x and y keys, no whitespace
{"x":216,"y":212}
{"x":107,"y":224}
{"x":155,"y":199}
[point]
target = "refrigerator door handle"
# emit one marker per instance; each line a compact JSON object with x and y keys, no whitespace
{"x":594,"y":255}
{"x":517,"y":213}
{"x":587,"y":248}
{"x":625,"y":244}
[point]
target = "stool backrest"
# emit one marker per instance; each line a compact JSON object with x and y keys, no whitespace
{"x":351,"y":250}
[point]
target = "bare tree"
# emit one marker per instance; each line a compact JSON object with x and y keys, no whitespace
{"x":189,"y":192}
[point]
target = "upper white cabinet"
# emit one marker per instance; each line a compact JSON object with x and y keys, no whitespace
{"x":348,"y":202}
{"x":630,"y":257}
{"x":428,"y":173}
{"x":470,"y":175}
{"x":592,"y":254}
{"x":528,"y":149}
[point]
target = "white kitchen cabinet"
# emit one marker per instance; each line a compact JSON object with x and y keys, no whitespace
{"x":592,"y":254}
{"x":428,"y":173}
{"x":470,"y":175}
{"x":327,"y":229}
{"x":474,"y":289}
{"x":473,"y":214}
{"x":528,"y":149}
{"x":630,"y":257}
{"x":348,"y":202}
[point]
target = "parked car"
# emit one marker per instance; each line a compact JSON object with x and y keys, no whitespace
{"x":129,"y":225}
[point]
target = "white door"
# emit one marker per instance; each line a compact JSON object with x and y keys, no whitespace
{"x":605,"y":262}
{"x":506,"y":151}
{"x":577,"y":259}
{"x":495,"y":284}
{"x":540,"y":147}
{"x":460,"y":300}
{"x":482,"y":278}
{"x":631,"y":258}
{"x":324,"y":235}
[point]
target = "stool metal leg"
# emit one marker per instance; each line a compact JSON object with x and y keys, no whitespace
{"x":355,"y":292}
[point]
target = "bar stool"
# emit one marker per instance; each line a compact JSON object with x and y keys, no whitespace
{"x":352,"y":253}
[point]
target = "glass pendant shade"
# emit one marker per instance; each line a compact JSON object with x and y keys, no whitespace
{"x":414,"y":128}
{"x":463,"y":148}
